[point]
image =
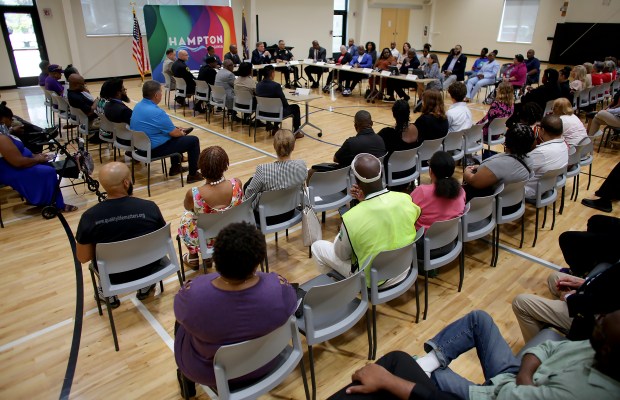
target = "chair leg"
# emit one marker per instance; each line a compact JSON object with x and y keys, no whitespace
{"x":323,"y":217}
{"x":495,"y":260}
{"x":562,"y":201}
{"x":553,"y":219}
{"x":417,"y":302}
{"x":536,"y":228}
{"x":572,"y":193}
{"x":373,"y":354}
{"x":577,"y":189}
{"x":266,"y":264}
{"x":181,"y":278}
{"x":312,"y":377}
{"x":544,"y":218}
{"x":461,"y":267}
{"x":133,"y":174}
{"x":148,"y":178}
{"x":107,"y":304}
{"x":425,"y":294}
{"x":309,"y":251}
{"x":589,"y":176}
{"x":276,"y":237}
{"x":96,"y":290}
{"x":522,"y":231}
{"x":100,"y":160}
{"x":161,"y":286}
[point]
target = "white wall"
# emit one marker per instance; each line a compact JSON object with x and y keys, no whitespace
{"x":593,"y":11}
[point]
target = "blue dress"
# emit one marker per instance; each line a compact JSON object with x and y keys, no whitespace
{"x":37,"y":184}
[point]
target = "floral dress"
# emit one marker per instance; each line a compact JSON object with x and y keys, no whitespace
{"x":497,"y":110}
{"x":188,"y":230}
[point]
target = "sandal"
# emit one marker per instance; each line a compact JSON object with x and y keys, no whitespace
{"x":193,"y":263}
{"x":69,"y":208}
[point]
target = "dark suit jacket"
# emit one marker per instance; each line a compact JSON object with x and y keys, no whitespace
{"x":269,"y":88}
{"x":258,"y":58}
{"x":116,"y":111}
{"x":347,"y":59}
{"x":181,"y":70}
{"x":320,"y":57}
{"x":232,"y":57}
{"x":366,"y":141}
{"x":459,"y":67}
{"x":207,"y":74}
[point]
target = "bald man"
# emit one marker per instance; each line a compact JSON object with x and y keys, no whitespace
{"x":120,"y":217}
{"x":390,"y":216}
{"x":181,"y":70}
{"x":79,"y":97}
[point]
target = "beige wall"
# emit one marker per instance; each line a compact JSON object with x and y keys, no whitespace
{"x":593,"y":11}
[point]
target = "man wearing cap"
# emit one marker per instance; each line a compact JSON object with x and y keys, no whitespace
{"x":383,"y":220}
{"x":181,"y":70}
{"x":51,"y":81}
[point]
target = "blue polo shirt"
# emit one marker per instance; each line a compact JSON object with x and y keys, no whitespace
{"x":147,"y":117}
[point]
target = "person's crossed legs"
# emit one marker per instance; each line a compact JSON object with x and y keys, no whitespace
{"x":182,"y":144}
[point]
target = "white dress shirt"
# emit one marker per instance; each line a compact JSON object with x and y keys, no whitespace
{"x":459,"y":117}
{"x":545,"y":157}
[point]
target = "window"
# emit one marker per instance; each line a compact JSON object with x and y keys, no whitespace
{"x":114,"y":17}
{"x":518,"y":21}
{"x":339,"y":28}
{"x":16,"y":3}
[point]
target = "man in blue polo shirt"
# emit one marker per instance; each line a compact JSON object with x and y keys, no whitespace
{"x":165,"y":138}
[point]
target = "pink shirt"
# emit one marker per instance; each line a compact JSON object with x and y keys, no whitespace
{"x":435,"y":208}
{"x":519,"y":73}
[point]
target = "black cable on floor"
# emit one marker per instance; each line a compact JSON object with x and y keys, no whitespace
{"x":79,"y":314}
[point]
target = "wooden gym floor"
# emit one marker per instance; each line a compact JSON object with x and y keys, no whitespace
{"x":38,"y":285}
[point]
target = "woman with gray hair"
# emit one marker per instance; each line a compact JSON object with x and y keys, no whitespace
{"x":343,"y":58}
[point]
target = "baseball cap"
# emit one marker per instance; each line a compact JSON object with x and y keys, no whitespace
{"x":55,"y":68}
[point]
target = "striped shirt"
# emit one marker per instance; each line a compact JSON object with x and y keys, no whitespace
{"x":276,"y":176}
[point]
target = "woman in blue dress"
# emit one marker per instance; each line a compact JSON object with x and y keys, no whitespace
{"x":27,"y":173}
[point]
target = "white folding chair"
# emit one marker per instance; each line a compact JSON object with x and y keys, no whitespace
{"x":218,"y":99}
{"x":128,"y":255}
{"x":546,"y":194}
{"x":331,"y":308}
{"x":473,"y":141}
{"x":106,"y":132}
{"x":510,"y":203}
{"x":329,"y":190}
{"x":141,"y":151}
{"x":270,"y":110}
{"x":548,"y":107}
{"x":239,"y":359}
{"x":442,"y":244}
{"x":399,"y":163}
{"x":122,"y":138}
{"x":275,"y":203}
{"x":390,"y":265}
{"x":454,"y":145}
{"x":497,"y":127}
{"x":243,"y":104}
{"x":586,"y":157}
{"x":573,"y":170}
{"x":479,"y":220}
{"x":169,"y":87}
{"x":181,"y":91}
{"x":202,"y":93}
{"x":426,"y":151}
{"x":83,"y":123}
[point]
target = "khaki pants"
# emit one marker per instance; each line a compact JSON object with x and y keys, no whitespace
{"x":603,"y":117}
{"x":535,"y":312}
{"x":326,"y":258}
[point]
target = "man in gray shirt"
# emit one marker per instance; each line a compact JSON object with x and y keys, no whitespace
{"x":167,"y":67}
{"x":226,"y":79}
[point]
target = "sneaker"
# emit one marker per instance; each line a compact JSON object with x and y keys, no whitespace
{"x":326,"y":89}
{"x":114,"y":301}
{"x":346,"y":92}
{"x":598,"y":204}
{"x":144,"y":292}
{"x":177,"y":169}
{"x":406,"y":98}
{"x":194,"y":178}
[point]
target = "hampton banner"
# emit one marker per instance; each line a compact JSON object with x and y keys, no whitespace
{"x":191,"y":28}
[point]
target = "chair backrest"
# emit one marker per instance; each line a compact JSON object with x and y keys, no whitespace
{"x":210,"y":225}
{"x":331,"y":306}
{"x":130,"y":254}
{"x":546,"y":191}
{"x":271,"y":106}
{"x":426,"y":151}
{"x":473,"y":139}
{"x":63,"y":104}
{"x":235,"y":360}
{"x":244,"y":101}
{"x":549,"y":107}
{"x":498,"y":127}
{"x":400,"y":161}
{"x":202,"y":90}
{"x":79,"y":115}
{"x":181,"y":86}
{"x":480,"y":217}
{"x":441,"y":234}
{"x":584,"y":98}
{"x":511,"y":195}
{"x":122,"y":131}
{"x":104,"y":124}
{"x":585,"y":148}
{"x":218,"y":95}
{"x":453,"y":141}
{"x":166,"y":80}
{"x":141,"y":147}
{"x":327,"y":183}
{"x":278,"y":202}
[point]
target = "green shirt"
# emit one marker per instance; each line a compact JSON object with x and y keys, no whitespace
{"x":566,"y":372}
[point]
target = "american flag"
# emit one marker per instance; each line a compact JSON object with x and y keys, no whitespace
{"x":244,"y":36}
{"x":137,"y":49}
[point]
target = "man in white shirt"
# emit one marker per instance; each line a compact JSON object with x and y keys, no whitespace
{"x":394,"y":50}
{"x":484,"y":77}
{"x":550,"y":154}
{"x":459,"y":116}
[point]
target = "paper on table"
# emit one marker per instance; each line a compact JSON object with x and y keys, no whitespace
{"x":411,"y":77}
{"x":367,"y":70}
{"x":347,"y":66}
{"x":386,"y":73}
{"x":274,"y":64}
{"x":302,"y":92}
{"x":308,"y":61}
{"x":320,"y":63}
{"x":294,"y":62}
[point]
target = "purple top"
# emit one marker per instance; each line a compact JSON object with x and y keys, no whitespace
{"x":209,"y":317}
{"x":42,"y":77}
{"x":53,"y":85}
{"x":519,"y":72}
{"x":497,"y":110}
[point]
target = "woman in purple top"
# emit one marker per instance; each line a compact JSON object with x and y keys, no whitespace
{"x":233,"y":305}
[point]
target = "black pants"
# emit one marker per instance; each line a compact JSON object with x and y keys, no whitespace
{"x":610,"y":189}
{"x":292,"y":109}
{"x":398,"y":86}
{"x":599,"y":243}
{"x":311,"y":69}
{"x":286,"y":71}
{"x":182,"y":144}
{"x":403,"y":366}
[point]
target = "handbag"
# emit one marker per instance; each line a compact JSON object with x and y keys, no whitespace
{"x":310,"y":226}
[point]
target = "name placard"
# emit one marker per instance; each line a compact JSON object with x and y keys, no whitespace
{"x":294,"y":62}
{"x":367,"y":70}
{"x":320,"y":63}
{"x":347,"y":66}
{"x":386,"y":73}
{"x":411,"y":77}
{"x":308,"y":61}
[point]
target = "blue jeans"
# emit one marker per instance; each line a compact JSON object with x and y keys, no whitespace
{"x":474,"y":330}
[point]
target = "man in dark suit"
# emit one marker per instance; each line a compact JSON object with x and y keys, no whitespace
{"x":260,"y":56}
{"x":268,"y":88}
{"x":211,"y":53}
{"x":283,"y":55}
{"x":454,"y":67}
{"x":233,"y":55}
{"x":316,"y":53}
{"x":181,"y":70}
{"x":208,"y":71}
